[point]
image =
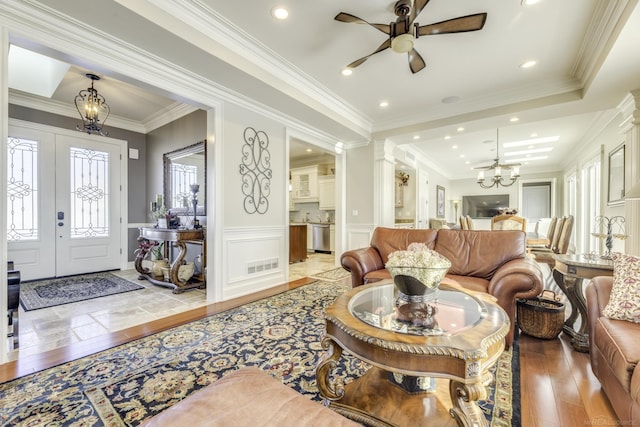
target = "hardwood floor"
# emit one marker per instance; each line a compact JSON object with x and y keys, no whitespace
{"x":557,"y":385}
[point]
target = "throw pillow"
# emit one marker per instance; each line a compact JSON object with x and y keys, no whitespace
{"x":624,"y":302}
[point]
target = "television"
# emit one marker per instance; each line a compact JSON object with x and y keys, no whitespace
{"x":486,"y":206}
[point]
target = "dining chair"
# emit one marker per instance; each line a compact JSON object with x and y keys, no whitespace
{"x":464,"y":225}
{"x":550,"y":231}
{"x":561,"y":245}
{"x":470,"y":224}
{"x":508,"y":222}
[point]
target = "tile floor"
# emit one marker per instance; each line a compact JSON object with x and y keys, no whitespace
{"x":53,"y":327}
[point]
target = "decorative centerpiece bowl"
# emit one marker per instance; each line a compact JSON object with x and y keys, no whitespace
{"x":417,"y":273}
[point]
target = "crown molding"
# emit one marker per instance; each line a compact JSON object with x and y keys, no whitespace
{"x":608,"y":19}
{"x":62,"y":109}
{"x":235,"y":46}
{"x":32,"y":21}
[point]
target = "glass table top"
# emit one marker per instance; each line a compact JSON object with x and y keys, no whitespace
{"x":454,"y":311}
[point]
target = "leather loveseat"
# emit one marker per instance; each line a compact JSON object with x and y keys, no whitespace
{"x":494,"y":262}
{"x":614,"y":353}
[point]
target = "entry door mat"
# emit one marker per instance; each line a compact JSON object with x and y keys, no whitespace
{"x":51,"y":292}
{"x":281,"y":335}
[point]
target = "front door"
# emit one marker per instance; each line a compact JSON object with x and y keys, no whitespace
{"x":64,"y":204}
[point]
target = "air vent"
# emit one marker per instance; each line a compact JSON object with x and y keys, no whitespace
{"x":255,"y":267}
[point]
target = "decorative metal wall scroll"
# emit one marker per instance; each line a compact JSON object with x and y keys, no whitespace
{"x":256,"y":171}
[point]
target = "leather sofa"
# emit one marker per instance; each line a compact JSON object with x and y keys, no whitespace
{"x":614,"y":353}
{"x":248,"y":397}
{"x":493,"y":262}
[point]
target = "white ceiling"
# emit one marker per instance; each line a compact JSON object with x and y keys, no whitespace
{"x":586,"y":52}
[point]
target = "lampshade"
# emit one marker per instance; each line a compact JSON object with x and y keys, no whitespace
{"x":633,"y":193}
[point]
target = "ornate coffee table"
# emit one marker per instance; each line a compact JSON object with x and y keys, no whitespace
{"x":467,"y":341}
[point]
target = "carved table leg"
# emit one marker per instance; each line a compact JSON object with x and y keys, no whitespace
{"x":144,"y":247}
{"x":572,"y":287}
{"x":329,"y":391}
{"x":465,"y":398}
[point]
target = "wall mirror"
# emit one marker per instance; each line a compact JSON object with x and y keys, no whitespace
{"x":183,"y":168}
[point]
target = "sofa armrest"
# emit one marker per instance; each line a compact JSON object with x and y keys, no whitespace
{"x":360,"y":262}
{"x":520,"y":278}
{"x":597,"y":295}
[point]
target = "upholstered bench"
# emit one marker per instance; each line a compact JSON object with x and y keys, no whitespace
{"x":248,"y":397}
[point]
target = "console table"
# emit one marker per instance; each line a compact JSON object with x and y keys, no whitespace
{"x":396,"y":390}
{"x":179,"y":238}
{"x":570,"y":272}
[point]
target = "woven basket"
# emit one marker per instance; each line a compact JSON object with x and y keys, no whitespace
{"x":541,"y":317}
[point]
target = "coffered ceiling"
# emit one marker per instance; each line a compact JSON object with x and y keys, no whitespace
{"x":448,"y":112}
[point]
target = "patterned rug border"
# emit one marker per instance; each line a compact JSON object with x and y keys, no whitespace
{"x":107,"y":388}
{"x":332,"y":275}
{"x":30,"y":299}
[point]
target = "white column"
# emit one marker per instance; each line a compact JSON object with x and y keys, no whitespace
{"x":384,"y":181}
{"x":630,"y":128}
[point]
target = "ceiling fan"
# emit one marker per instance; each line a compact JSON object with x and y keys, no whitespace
{"x":404,"y":31}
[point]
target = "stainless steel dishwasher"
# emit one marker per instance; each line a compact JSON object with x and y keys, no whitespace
{"x":321,"y":238}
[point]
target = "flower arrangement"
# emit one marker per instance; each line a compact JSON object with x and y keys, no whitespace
{"x":420,"y":262}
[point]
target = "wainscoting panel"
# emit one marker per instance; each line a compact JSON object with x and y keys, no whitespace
{"x":254,"y":259}
{"x":358,"y":235}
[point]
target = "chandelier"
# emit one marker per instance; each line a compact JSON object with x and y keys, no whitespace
{"x":498,"y":168}
{"x":91,"y":105}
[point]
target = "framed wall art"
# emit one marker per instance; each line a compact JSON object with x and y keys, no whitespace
{"x":440,"y":201}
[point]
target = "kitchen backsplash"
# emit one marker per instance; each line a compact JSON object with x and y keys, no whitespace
{"x":310,"y":212}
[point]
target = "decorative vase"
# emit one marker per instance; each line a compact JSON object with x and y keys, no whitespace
{"x":157,"y":266}
{"x":185,"y":272}
{"x":416,"y":290}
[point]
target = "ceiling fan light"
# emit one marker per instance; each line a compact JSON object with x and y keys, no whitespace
{"x":402,"y":43}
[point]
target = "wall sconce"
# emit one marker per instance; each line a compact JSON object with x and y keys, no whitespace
{"x":404,"y":179}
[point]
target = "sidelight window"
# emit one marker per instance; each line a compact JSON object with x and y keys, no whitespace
{"x":22,"y":189}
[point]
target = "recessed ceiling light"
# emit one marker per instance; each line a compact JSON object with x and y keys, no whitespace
{"x":528,"y":152}
{"x":462,"y":156}
{"x":528,"y":159}
{"x":460,"y":129}
{"x":450,"y":99}
{"x":533,"y":135}
{"x":531,"y":141}
{"x":514,"y":119}
{"x":447,"y":137}
{"x":416,"y":137}
{"x":468,"y":162}
{"x":455,"y":147}
{"x":346,"y":71}
{"x":309,"y":150}
{"x":280,"y":12}
{"x":529,"y":2}
{"x":383,"y":104}
{"x":528,"y":64}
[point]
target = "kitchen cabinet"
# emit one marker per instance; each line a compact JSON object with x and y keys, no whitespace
{"x":327,"y":192}
{"x":297,"y":242}
{"x":309,"y":238}
{"x":304,"y":184}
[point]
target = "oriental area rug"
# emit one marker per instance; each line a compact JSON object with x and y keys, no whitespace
{"x":281,"y":335}
{"x":48,"y":293}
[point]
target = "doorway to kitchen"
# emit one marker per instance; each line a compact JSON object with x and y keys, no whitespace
{"x":312,"y":205}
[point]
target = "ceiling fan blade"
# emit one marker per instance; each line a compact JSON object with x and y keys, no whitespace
{"x":418,"y":5}
{"x":416,"y":63}
{"x":456,"y":25}
{"x":383,"y":46}
{"x":350,"y":19}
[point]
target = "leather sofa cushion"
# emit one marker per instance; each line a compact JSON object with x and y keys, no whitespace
{"x":614,"y":338}
{"x":248,"y":397}
{"x":480,"y":253}
{"x":388,"y":240}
